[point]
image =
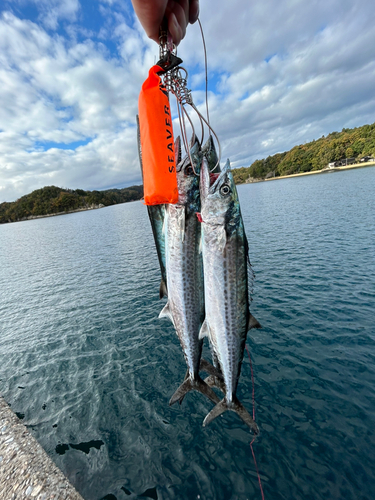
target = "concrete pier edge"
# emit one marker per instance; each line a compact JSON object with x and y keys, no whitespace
{"x":26,"y":471}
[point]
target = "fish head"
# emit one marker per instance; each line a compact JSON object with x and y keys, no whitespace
{"x":188,"y":171}
{"x":209,"y":152}
{"x":220,"y":204}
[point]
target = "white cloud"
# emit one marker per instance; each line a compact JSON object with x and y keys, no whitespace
{"x":53,"y":92}
{"x":280,"y":74}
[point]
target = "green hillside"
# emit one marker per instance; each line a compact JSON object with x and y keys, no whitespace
{"x":349,"y":143}
{"x":53,"y":200}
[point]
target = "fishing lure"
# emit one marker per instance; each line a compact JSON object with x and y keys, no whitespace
{"x":157,"y":144}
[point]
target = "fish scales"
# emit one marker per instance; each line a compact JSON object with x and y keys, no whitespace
{"x":226,"y":302}
{"x":185,"y":287}
{"x":225,"y":259}
{"x":185,"y":306}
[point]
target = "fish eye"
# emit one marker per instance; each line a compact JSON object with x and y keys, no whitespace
{"x":225,"y":190}
{"x":189,"y":170}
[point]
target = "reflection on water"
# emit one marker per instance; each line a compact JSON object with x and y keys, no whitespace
{"x":90,"y":369}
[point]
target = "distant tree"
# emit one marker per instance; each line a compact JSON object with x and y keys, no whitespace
{"x":52,"y":199}
{"x":314,"y":155}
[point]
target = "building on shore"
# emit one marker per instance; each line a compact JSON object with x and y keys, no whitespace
{"x":342,"y":163}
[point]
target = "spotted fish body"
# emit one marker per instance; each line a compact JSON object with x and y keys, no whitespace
{"x":185,"y":306}
{"x":156,"y":215}
{"x":225,"y":260}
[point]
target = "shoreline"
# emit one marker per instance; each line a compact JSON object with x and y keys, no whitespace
{"x":323,"y":171}
{"x":33,"y":217}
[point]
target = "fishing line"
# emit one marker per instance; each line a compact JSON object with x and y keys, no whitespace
{"x":176,"y":84}
{"x":251,"y":444}
{"x":206,"y":76}
{"x":206,"y":69}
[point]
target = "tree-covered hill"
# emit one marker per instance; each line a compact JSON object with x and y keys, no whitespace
{"x":315,"y":155}
{"x":53,"y":200}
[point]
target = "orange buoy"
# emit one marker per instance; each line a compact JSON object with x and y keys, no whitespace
{"x":157,"y":144}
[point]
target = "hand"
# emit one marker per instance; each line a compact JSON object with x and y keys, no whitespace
{"x":179,"y":14}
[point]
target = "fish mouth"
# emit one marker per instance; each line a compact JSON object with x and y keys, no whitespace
{"x":194,"y":149}
{"x":183,"y":163}
{"x":213,"y":178}
{"x":221,"y":179}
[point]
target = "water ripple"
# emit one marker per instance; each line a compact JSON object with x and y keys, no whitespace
{"x":90,"y":366}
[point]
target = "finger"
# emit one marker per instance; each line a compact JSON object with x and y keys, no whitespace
{"x":174,"y":29}
{"x":178,"y":18}
{"x":193,"y":11}
{"x":150,"y":14}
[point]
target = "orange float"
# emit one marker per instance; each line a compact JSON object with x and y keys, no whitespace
{"x":157,"y":144}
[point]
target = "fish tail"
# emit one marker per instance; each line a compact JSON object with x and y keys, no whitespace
{"x":182,"y":397}
{"x":210,"y":369}
{"x":236,"y":406}
{"x":214,"y":380}
{"x":193,"y":385}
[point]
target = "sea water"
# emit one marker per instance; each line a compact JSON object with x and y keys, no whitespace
{"x":89,"y":368}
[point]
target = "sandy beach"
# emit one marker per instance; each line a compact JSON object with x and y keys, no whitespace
{"x":324,"y":171}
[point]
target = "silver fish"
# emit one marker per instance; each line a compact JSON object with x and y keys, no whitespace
{"x":225,"y":261}
{"x":156,"y":215}
{"x":185,"y":306}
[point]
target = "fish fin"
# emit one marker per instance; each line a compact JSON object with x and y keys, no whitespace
{"x":207,"y":391}
{"x":245,"y":415}
{"x":186,"y":377}
{"x":190,"y":385}
{"x":217,"y":410}
{"x":166,"y":313}
{"x":236,"y":406}
{"x":204,"y":331}
{"x":253,"y":323}
{"x":212,"y":381}
{"x":163,"y":292}
{"x":210,"y":369}
{"x":181,"y":391}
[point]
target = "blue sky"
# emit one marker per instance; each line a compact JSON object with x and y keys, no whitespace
{"x":280,"y":74}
